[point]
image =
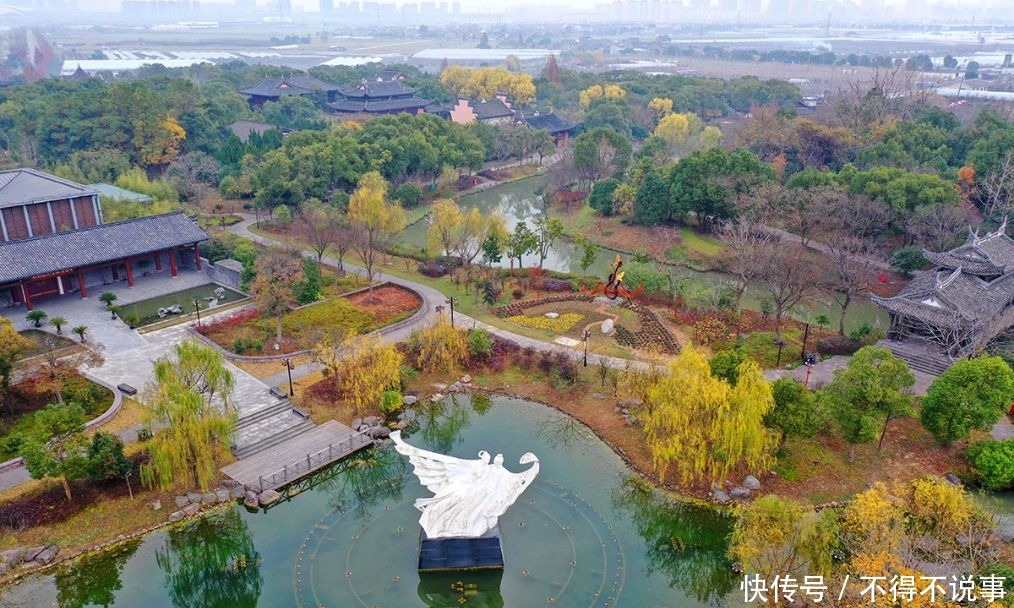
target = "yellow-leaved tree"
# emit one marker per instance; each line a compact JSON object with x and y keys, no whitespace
{"x":774,"y":535}
{"x":439,"y":348}
{"x":660,"y":107}
{"x":12,"y":346}
{"x":165,"y":142}
{"x":454,"y":232}
{"x":698,"y":424}
{"x":485,"y":83}
{"x":445,"y":225}
{"x":367,"y":368}
{"x":596,"y":91}
{"x":374,"y":219}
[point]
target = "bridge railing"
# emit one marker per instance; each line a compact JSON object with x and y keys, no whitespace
{"x":311,"y":461}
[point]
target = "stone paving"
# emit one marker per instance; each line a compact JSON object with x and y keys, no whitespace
{"x":823,"y":373}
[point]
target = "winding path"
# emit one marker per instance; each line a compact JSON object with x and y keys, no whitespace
{"x":432,"y":298}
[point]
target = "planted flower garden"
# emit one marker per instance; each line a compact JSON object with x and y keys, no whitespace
{"x":249,"y":332}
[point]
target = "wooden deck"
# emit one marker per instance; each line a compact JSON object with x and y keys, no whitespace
{"x":296,"y":457}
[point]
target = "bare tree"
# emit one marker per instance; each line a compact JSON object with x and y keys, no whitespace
{"x":318,"y":229}
{"x":849,"y":270}
{"x":745,"y":244}
{"x":936,"y":226}
{"x":788,"y":276}
{"x":997,"y":190}
{"x":863,"y":105}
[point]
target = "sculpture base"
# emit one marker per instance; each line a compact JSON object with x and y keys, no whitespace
{"x":478,"y":553}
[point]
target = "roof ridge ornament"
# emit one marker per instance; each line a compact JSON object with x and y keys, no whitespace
{"x":944,"y":283}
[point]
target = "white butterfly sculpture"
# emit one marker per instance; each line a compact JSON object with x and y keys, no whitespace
{"x":469,"y":495}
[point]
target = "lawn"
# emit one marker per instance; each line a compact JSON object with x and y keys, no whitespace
{"x":702,"y":244}
{"x":247,"y":332}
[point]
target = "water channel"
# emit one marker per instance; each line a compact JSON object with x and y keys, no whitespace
{"x":518,"y":201}
{"x":583,"y":536}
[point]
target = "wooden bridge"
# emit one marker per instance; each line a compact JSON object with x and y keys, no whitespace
{"x":297,"y":457}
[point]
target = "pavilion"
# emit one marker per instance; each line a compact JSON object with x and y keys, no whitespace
{"x":964,"y":303}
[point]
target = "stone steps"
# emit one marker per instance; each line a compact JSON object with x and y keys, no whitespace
{"x":287,"y":432}
{"x":917,"y":358}
{"x":283,"y":405}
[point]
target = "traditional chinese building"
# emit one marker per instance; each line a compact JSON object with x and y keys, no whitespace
{"x":55,"y":242}
{"x":378,"y":97}
{"x":960,"y":306}
{"x":273,"y":89}
{"x":560,"y":129}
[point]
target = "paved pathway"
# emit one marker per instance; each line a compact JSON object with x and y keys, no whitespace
{"x":427,"y":314}
{"x":823,"y":373}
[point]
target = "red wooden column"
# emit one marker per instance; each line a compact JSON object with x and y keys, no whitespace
{"x":172,"y":261}
{"x":81,"y":284}
{"x":130,"y":273}
{"x":197,"y":256}
{"x":28,"y":296}
{"x":158,"y":261}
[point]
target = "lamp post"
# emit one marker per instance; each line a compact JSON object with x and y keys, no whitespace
{"x":587,"y":334}
{"x":450,"y":300}
{"x":288,"y":369}
{"x":780,"y":344}
{"x":197,"y":307}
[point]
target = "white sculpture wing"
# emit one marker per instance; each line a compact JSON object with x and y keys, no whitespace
{"x":507,"y":487}
{"x":436,"y":471}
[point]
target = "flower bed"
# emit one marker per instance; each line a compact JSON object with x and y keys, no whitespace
{"x":652,"y":335}
{"x":559,"y":325}
{"x":247,"y":332}
{"x":519,"y":307}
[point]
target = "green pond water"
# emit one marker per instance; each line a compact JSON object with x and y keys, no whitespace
{"x":146,"y":311}
{"x":518,"y":201}
{"x":584,"y":535}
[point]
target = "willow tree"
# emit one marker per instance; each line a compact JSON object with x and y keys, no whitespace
{"x":777,"y":536}
{"x":701,"y":425}
{"x":189,"y":397}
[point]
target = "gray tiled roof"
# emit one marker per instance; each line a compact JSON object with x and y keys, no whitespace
{"x":494,"y":108}
{"x":25,"y":186}
{"x":291,"y":85}
{"x":26,"y":258}
{"x":379,"y":105}
{"x":548,"y":121}
{"x":373,"y":90}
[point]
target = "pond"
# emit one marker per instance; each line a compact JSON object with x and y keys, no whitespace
{"x":146,"y":311}
{"x":584,"y":535}
{"x":517,"y":200}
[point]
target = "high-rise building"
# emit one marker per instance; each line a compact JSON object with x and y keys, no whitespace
{"x":327,"y":6}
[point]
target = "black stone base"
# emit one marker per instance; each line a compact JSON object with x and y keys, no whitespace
{"x":443,"y":554}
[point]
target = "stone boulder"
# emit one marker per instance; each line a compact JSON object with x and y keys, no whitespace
{"x":552,"y":315}
{"x":47,"y":555}
{"x":156,"y":505}
{"x":607,"y":326}
{"x":268,"y":497}
{"x":739,"y":492}
{"x":222,"y":494}
{"x":409,"y":400}
{"x":13,"y":556}
{"x":32,"y":552}
{"x":357,"y":422}
{"x":379,"y":432}
{"x":466,"y":379}
{"x":371,"y":421}
{"x":182,"y":501}
{"x":176,"y":516}
{"x":436,"y":397}
{"x":751,"y":483}
{"x":192,"y":509}
{"x":598,"y":396}
{"x":209,"y":498}
{"x":454,"y":388}
{"x":250,"y":499}
{"x":229,"y":483}
{"x":239,"y":492}
{"x":721,"y":497}
{"x":194,"y":497}
{"x":1005,"y":528}
{"x":953,"y":479}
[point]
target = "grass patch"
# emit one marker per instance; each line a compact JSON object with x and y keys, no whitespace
{"x":44,"y":342}
{"x":700,"y":243}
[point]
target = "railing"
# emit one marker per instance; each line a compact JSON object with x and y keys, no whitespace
{"x":316,"y":460}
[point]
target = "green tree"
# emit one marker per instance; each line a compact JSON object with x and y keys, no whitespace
{"x":725,"y":364}
{"x":908,"y":259}
{"x":589,"y":250}
{"x":796,"y":413}
{"x":601,"y":198}
{"x":707,"y":183}
{"x":865,"y":396}
{"x":57,"y":447}
{"x":190,"y":398}
{"x":993,"y":463}
{"x":600,"y":153}
{"x":971,"y":394}
{"x":520,"y":243}
{"x":36,"y":316}
{"x":106,"y":459}
{"x":652,"y":204}
{"x":547,"y":230}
